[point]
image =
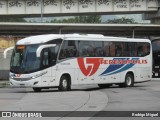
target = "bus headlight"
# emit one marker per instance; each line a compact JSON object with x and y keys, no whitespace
{"x":12,"y":76}
{"x":38,"y":75}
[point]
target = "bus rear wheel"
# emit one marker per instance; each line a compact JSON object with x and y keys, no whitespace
{"x":64,"y":84}
{"x":129,"y":81}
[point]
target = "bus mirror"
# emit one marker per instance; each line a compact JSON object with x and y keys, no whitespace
{"x":40,"y":48}
{"x":6,"y":50}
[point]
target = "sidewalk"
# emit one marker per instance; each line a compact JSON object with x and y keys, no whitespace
{"x":4,"y":83}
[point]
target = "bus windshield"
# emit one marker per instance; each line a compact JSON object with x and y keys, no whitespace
{"x":24,"y":59}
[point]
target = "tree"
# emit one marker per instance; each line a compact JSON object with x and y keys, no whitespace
{"x":4,"y":19}
{"x":122,"y":20}
{"x":80,"y":19}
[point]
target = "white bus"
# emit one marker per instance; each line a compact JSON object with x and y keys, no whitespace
{"x":47,"y":61}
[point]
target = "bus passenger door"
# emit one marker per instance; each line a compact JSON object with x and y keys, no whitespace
{"x":46,"y":63}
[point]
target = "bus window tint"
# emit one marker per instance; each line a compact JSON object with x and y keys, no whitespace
{"x":140,"y":49}
{"x":146,"y":48}
{"x":130,"y":49}
{"x":106,"y":48}
{"x":118,"y":49}
{"x":98,"y":49}
{"x":45,"y":57}
{"x":69,"y":49}
{"x":103,"y":49}
{"x":112,"y":49}
{"x":53,"y":54}
{"x":86,"y":48}
{"x":49,"y":56}
{"x":143,"y":49}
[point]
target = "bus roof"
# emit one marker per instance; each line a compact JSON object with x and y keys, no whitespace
{"x":48,"y":37}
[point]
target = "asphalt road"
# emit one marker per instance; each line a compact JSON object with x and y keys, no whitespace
{"x":142,"y":97}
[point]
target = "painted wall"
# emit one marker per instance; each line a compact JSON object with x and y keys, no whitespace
{"x":75,"y":6}
{"x":5,"y":42}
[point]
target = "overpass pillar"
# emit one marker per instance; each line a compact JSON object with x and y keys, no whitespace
{"x":154,"y":16}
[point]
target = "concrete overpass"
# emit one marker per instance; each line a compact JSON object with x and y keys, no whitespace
{"x":74,"y":7}
{"x":130,"y":30}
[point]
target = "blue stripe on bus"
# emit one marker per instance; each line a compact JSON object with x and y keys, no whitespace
{"x":113,"y":69}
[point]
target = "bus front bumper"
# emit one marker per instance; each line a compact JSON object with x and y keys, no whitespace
{"x":27,"y":83}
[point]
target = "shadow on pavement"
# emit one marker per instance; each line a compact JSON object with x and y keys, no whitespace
{"x":30,"y":90}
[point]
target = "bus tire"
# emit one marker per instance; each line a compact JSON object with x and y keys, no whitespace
{"x":37,"y":89}
{"x":104,"y":85}
{"x":129,"y":80}
{"x":64,"y":84}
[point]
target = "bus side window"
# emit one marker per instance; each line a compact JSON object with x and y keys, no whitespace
{"x":45,"y":57}
{"x":143,"y":49}
{"x":86,"y":49}
{"x":130,"y":49}
{"x":140,"y":50}
{"x":53,"y":55}
{"x":62,"y":54}
{"x":49,"y":56}
{"x":63,"y":51}
{"x":146,"y":48}
{"x":68,"y":49}
{"x":112,"y":49}
{"x":106,"y":48}
{"x":98,"y":49}
{"x":118,"y":49}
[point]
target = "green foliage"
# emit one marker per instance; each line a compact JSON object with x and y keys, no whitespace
{"x":77,"y":19}
{"x":4,"y":19}
{"x":80,"y":19}
{"x":122,"y":20}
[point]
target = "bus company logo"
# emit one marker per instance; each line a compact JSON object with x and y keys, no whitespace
{"x":93,"y":65}
{"x":89,"y":66}
{"x":18,"y":75}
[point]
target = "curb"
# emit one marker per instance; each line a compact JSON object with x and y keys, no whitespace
{"x":4,"y":84}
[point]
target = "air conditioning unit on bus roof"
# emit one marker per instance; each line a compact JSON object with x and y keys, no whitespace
{"x":82,"y":34}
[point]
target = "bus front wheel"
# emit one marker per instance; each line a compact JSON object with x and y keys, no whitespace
{"x":64,"y":84}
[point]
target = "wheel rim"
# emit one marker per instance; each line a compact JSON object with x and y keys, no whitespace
{"x":64,"y":83}
{"x":129,"y":81}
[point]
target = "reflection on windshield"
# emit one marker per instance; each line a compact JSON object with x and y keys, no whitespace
{"x":18,"y":56}
{"x":24,"y":59}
